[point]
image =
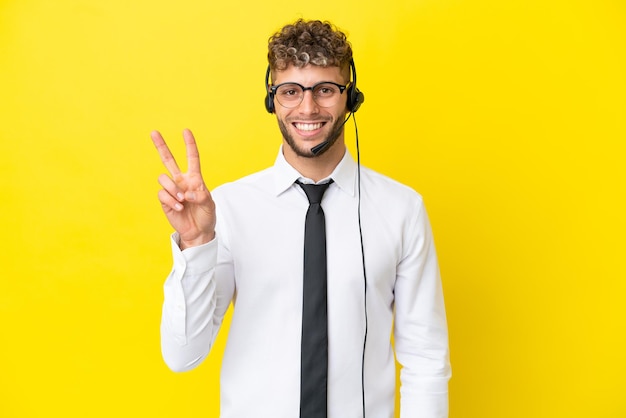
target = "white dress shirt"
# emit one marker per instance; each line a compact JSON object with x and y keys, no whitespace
{"x":256,"y":262}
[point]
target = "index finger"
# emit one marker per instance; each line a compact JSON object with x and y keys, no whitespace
{"x":193,"y":156}
{"x":164,"y":152}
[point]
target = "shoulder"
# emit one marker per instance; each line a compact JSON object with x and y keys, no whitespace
{"x":261,"y":180}
{"x":384,"y":188}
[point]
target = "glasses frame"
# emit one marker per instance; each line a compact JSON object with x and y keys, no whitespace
{"x":273,"y":90}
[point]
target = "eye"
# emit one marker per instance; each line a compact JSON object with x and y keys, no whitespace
{"x":289,"y":90}
{"x":325,"y":90}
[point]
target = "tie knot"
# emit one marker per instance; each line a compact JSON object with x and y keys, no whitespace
{"x":314,"y":192}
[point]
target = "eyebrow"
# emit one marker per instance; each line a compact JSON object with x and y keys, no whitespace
{"x":313,"y":85}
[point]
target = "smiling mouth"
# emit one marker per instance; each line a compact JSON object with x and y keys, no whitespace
{"x":308,"y":126}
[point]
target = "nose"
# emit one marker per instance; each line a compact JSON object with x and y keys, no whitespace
{"x":308,"y":104}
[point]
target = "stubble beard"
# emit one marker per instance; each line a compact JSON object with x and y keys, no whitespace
{"x":332,"y":137}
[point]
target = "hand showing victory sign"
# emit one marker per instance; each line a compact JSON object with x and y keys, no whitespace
{"x":185,"y":199}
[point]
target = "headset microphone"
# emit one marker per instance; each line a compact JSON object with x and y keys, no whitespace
{"x":319,"y":147}
{"x":316,"y":150}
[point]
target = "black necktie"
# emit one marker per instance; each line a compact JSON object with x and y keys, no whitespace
{"x":314,"y":366}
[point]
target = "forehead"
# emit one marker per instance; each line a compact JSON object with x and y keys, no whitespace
{"x":309,"y":75}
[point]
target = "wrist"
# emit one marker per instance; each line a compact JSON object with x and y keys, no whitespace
{"x":183,"y":244}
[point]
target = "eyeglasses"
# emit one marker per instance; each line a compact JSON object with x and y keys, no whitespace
{"x":325,"y":94}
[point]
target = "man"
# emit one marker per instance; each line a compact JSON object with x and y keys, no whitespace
{"x":243,"y":243}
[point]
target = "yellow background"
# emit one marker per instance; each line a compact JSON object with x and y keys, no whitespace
{"x":508,"y":116}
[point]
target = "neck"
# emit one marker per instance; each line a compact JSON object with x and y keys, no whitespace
{"x":318,"y":167}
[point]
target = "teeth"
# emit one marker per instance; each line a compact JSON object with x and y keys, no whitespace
{"x":308,"y":126}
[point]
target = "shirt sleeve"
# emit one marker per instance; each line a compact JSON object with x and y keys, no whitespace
{"x":421,"y":335}
{"x":192,"y":307}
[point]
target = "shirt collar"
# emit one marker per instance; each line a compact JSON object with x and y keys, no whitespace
{"x":344,"y":175}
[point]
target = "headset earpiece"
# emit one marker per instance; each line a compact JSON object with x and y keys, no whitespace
{"x":355,"y":97}
{"x":269,"y":97}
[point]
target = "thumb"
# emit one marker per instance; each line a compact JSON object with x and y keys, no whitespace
{"x":191,"y":196}
{"x":198,"y":196}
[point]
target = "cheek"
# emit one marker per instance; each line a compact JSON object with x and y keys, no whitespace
{"x":341,"y":111}
{"x":282,"y":115}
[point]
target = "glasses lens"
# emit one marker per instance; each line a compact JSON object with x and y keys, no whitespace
{"x":326,"y":94}
{"x":289,"y":95}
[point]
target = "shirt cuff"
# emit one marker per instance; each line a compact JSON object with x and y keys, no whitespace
{"x":196,"y":259}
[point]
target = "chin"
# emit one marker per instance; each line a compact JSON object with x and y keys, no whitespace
{"x":302,"y":148}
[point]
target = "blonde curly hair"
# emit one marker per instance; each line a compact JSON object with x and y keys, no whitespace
{"x":309,"y":42}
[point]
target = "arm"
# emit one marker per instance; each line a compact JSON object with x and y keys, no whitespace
{"x":421,"y":336}
{"x":195,"y":302}
{"x":191,"y":311}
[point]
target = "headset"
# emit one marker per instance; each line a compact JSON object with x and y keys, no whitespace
{"x":355,"y":99}
{"x":355,"y":96}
